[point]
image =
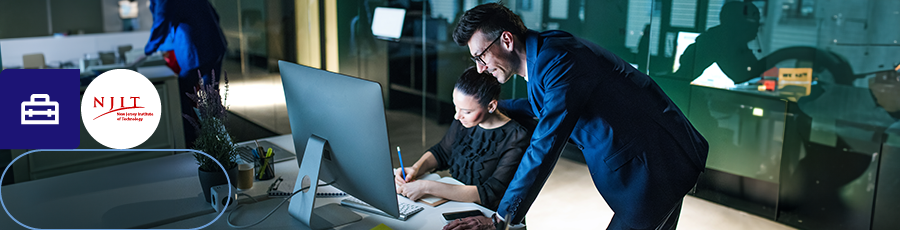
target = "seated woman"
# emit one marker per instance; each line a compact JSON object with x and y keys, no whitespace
{"x":482,"y":148}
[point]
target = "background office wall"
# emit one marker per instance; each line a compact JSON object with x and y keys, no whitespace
{"x":41,"y":18}
{"x":32,"y":18}
{"x":73,"y":17}
{"x":258,"y":32}
{"x":243,"y":23}
{"x":23,"y":18}
{"x":359,"y":53}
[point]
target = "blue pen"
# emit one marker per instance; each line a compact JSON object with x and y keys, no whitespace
{"x":402,"y":171}
{"x":255,"y":154}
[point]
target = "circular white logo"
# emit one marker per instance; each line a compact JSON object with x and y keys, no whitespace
{"x":120,"y":109}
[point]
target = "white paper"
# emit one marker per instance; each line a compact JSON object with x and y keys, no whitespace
{"x":435,"y":177}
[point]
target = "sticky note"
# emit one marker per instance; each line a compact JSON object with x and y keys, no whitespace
{"x":381,"y":227}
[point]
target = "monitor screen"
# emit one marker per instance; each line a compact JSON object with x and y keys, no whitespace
{"x":348,"y":114}
{"x":684,"y":40}
{"x":388,"y":22}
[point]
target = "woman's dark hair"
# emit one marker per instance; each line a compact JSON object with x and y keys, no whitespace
{"x":492,"y":19}
{"x":483,"y":86}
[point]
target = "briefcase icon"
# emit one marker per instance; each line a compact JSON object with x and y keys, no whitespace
{"x":40,"y":112}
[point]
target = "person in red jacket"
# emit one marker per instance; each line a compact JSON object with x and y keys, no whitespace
{"x":189,"y":32}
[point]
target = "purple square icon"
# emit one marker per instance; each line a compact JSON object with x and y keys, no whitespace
{"x":42,"y":108}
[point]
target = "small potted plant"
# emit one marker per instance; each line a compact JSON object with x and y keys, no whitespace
{"x":213,"y":138}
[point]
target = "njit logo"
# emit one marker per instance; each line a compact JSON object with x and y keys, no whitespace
{"x":121,"y":114}
{"x":120,"y":109}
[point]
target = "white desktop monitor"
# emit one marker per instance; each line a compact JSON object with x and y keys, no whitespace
{"x":388,"y":22}
{"x":683,"y":41}
{"x":343,"y":117}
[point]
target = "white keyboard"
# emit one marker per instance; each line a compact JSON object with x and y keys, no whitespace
{"x":406,"y":210}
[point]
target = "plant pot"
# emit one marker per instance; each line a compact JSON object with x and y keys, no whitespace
{"x":210,"y":179}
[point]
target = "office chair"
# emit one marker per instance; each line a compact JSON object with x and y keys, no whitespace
{"x":107,"y":58}
{"x":33,"y":61}
{"x":123,"y":49}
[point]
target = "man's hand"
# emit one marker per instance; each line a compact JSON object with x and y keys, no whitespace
{"x":474,"y":222}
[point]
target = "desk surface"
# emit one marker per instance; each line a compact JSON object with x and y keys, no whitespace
{"x":144,"y":193}
{"x":430,"y":218}
{"x":165,"y":193}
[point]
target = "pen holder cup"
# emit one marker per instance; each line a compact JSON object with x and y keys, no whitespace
{"x":265,"y":168}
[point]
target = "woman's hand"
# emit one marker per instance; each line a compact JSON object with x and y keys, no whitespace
{"x":473,"y":222}
{"x":415,"y":190}
{"x":410,"y":175}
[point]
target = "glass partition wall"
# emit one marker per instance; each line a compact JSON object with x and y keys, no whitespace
{"x":259,"y":33}
{"x":418,"y":69}
{"x":798,"y":98}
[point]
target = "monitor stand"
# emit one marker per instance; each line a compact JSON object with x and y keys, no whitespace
{"x":302,"y":204}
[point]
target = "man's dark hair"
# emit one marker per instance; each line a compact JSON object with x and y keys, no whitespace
{"x":484,"y":87}
{"x":738,"y":13}
{"x":492,"y":19}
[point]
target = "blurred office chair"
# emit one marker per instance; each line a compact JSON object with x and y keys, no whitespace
{"x":107,"y":58}
{"x":133,"y":56}
{"x":33,"y":61}
{"x":123,"y":49}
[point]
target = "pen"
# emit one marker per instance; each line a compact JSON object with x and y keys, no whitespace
{"x":269,"y":153}
{"x":255,"y":154}
{"x":262,"y":171}
{"x":402,"y":171}
{"x":259,"y":149}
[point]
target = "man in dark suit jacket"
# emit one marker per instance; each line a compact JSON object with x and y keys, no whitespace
{"x":642,"y":152}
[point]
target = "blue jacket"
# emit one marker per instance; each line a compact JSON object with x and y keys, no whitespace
{"x":191,"y":29}
{"x":643,"y":153}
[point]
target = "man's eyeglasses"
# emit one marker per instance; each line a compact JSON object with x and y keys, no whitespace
{"x":477,"y":58}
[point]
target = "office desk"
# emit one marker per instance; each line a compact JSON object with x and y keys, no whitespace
{"x":745,"y":130}
{"x":430,"y":218}
{"x":812,"y":164}
{"x":165,"y":193}
{"x":133,"y":195}
{"x":139,"y":194}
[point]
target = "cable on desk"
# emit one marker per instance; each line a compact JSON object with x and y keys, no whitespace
{"x":248,"y":196}
{"x":228,"y":218}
